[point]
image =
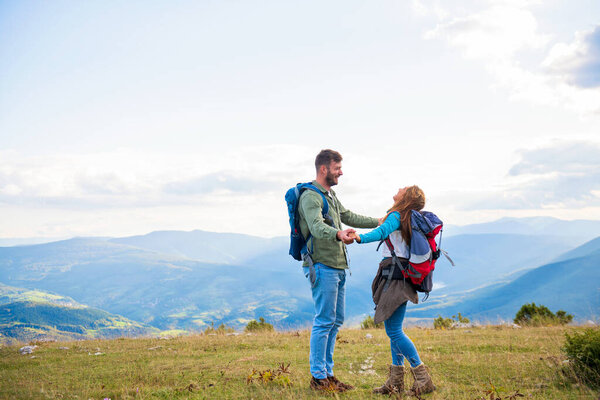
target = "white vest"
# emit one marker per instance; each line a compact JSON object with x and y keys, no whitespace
{"x":400,"y":246}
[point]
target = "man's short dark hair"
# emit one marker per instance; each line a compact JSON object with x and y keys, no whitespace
{"x":325,"y":157}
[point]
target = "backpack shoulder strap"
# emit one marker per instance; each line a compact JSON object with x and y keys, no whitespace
{"x":325,"y":209}
{"x":316,"y":190}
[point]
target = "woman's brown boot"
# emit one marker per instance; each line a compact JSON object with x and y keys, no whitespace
{"x":423,"y":382}
{"x":394,"y":383}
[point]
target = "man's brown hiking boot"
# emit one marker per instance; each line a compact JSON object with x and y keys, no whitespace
{"x":341,"y":385}
{"x":394,"y":383}
{"x":324,"y":385}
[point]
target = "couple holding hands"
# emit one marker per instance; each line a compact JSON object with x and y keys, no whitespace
{"x":327,"y":276}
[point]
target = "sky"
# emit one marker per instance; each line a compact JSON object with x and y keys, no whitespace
{"x":122,"y":118}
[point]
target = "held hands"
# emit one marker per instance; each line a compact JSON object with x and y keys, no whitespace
{"x":356,"y":237}
{"x":346,"y":236}
{"x":349,"y":235}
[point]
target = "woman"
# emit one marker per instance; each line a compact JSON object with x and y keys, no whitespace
{"x":391,"y":301}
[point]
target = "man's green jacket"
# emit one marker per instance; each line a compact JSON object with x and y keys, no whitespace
{"x":323,"y":244}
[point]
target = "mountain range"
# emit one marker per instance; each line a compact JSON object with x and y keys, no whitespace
{"x":174,"y":280}
{"x":165,"y":291}
{"x":570,"y":283}
{"x":583,"y":230}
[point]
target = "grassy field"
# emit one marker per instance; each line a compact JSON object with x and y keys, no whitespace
{"x":465,"y":364}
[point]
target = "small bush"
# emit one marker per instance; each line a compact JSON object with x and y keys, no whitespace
{"x":449,"y":323}
{"x":460,"y":319}
{"x":369,"y":323}
{"x":532,"y":315}
{"x":563,"y":317}
{"x":220,"y":330}
{"x":258,"y":326}
{"x":583,"y":351}
{"x":442,"y":323}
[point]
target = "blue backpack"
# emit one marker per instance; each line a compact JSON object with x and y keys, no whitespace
{"x":298,"y":247}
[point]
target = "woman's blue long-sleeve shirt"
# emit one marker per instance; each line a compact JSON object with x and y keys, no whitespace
{"x":391,"y":223}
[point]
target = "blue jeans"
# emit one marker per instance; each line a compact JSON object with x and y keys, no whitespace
{"x":328,"y":293}
{"x":400,"y":344}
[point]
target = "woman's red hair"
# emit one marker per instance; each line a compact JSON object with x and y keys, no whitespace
{"x":412,"y":199}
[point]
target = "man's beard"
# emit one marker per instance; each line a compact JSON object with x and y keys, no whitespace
{"x":330,"y":178}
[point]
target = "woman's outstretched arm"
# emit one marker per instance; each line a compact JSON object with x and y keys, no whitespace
{"x":383,"y":231}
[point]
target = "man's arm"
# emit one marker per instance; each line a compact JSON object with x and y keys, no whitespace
{"x":358,"y":221}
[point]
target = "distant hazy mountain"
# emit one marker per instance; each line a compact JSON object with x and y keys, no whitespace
{"x":157,"y":279}
{"x":572,"y":284}
{"x":173,"y":292}
{"x":7,"y":242}
{"x":168,"y":292}
{"x":485,"y":258}
{"x":34,"y":315}
{"x":35,"y":262}
{"x":211,"y":247}
{"x":480,"y":260}
{"x":582,"y":230}
{"x":584,"y":250}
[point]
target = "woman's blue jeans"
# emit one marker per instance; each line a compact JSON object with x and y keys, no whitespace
{"x":328,"y":293}
{"x":400,"y":344}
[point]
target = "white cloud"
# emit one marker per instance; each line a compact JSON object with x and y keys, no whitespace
{"x":241,"y":189}
{"x":435,"y":8}
{"x":500,"y":35}
{"x":127,"y":178}
{"x":563,"y":176}
{"x":134,"y":192}
{"x":577,"y":63}
{"x":494,"y":34}
{"x":10,"y":189}
{"x":219,"y":182}
{"x":568,"y":157}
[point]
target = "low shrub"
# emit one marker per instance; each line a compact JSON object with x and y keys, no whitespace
{"x":563,"y":317}
{"x":220,"y":330}
{"x":258,"y":326}
{"x":369,"y":323}
{"x":450,"y":323}
{"x":533,"y":315}
{"x":583,"y":351}
{"x":442,"y":323}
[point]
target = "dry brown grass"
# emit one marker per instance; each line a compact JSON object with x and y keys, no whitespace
{"x":465,"y":364}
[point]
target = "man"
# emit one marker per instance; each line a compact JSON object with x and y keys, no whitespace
{"x":327,"y":246}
